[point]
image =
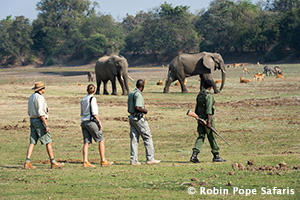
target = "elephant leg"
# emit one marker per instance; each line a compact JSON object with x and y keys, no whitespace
{"x":98,"y":86}
{"x":183,"y":87}
{"x":105,"y":92}
{"x":121,"y":81}
{"x":168,"y":83}
{"x":113,"y":85}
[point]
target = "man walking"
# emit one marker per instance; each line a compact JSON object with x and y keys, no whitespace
{"x":91,"y":127}
{"x":139,"y":126}
{"x":39,"y":128}
{"x":204,"y":109}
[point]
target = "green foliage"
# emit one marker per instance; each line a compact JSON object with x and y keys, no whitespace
{"x":15,"y":39}
{"x":95,"y":45}
{"x":166,"y":31}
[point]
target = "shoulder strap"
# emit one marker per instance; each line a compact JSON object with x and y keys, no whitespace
{"x":133,"y":96}
{"x":91,"y":107}
{"x":133,"y":99}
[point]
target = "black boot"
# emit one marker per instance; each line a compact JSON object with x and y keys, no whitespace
{"x":217,"y":158}
{"x":194,"y":158}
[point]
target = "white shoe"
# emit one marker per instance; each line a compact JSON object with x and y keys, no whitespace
{"x":136,"y":163}
{"x":152,"y":162}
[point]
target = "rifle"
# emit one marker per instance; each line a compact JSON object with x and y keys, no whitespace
{"x":192,"y":114}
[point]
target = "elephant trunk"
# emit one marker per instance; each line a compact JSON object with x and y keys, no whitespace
{"x":223,"y":78}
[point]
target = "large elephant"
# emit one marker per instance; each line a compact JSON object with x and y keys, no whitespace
{"x":108,"y":68}
{"x":202,"y":64}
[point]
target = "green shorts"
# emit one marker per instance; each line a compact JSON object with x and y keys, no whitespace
{"x":38,"y":131}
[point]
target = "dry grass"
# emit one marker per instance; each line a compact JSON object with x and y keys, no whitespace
{"x":260,"y":121}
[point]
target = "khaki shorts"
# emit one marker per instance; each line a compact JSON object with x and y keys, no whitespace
{"x":91,"y":130}
{"x":38,"y":131}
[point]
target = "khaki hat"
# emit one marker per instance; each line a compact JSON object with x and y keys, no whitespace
{"x":38,"y":85}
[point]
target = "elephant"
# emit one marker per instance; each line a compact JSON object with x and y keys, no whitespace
{"x":108,"y":68}
{"x":202,"y":64}
{"x":270,"y":70}
{"x":277,"y":70}
{"x":90,"y":76}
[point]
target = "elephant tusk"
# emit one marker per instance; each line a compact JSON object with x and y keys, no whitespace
{"x":223,"y":71}
{"x":130,"y":78}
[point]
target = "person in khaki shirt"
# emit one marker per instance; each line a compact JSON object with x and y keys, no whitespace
{"x":39,"y":128}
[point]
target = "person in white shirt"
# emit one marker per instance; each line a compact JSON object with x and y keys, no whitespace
{"x":39,"y":128}
{"x":91,"y":127}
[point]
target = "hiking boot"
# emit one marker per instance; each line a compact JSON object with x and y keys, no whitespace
{"x":194,"y":158}
{"x":136,"y":163}
{"x":88,"y":164}
{"x":106,"y":163}
{"x":152,"y":162}
{"x":28,"y":166}
{"x":56,"y":165}
{"x":217,"y":158}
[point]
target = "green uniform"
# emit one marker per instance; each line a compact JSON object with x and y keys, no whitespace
{"x":204,"y":107}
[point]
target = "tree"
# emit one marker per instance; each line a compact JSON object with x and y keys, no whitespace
{"x":15,"y":39}
{"x":165,"y":31}
{"x":56,"y":32}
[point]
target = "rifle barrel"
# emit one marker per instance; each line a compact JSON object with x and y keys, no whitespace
{"x":214,"y":130}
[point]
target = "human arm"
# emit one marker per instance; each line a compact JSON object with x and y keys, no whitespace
{"x":45,"y":123}
{"x":142,"y":110}
{"x":98,"y":120}
{"x":209,"y":109}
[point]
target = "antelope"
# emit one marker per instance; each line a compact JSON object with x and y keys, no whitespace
{"x":258,"y":63}
{"x":258,"y":77}
{"x":245,"y":70}
{"x":238,"y":65}
{"x":160,"y":82}
{"x":244,"y":80}
{"x":279,"y":76}
{"x":178,"y":83}
{"x":79,"y":84}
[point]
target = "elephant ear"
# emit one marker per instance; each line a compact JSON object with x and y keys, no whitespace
{"x":112,"y":63}
{"x":208,"y":62}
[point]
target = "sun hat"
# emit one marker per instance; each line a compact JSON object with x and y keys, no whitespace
{"x":38,"y":85}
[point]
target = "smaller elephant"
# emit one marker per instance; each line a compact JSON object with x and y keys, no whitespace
{"x":108,"y":68}
{"x":277,"y":70}
{"x":90,"y":76}
{"x":270,"y":70}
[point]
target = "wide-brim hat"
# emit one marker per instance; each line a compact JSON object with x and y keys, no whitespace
{"x":38,"y":85}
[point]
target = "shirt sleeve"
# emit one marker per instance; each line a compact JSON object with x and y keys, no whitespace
{"x":209,"y":104}
{"x":94,"y":106}
{"x":139,"y":101}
